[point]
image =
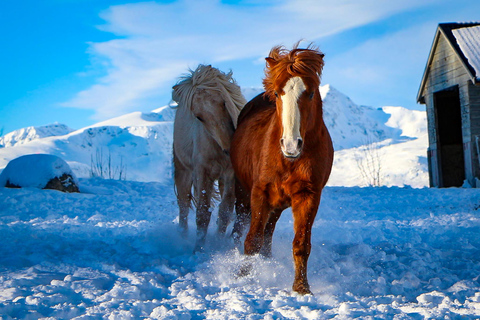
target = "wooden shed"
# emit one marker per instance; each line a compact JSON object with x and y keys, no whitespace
{"x":450,"y":89}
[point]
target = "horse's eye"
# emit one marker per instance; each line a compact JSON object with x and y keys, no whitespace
{"x":276,"y":94}
{"x":200,"y":119}
{"x":310,"y":96}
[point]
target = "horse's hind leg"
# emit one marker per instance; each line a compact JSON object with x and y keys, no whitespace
{"x":260,"y":216}
{"x":243,"y":212}
{"x":269,"y":228}
{"x":225,"y":209}
{"x":183,"y":184}
{"x":203,"y":194}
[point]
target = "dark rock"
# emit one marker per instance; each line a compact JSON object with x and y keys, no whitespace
{"x":65,"y":183}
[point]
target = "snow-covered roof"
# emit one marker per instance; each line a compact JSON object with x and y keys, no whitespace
{"x":471,"y":46}
{"x":469,"y":41}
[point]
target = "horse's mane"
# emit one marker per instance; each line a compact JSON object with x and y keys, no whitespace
{"x":283,"y":64}
{"x":207,"y":77}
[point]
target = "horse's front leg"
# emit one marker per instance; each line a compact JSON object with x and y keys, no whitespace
{"x":242,"y":210}
{"x":228,"y":200}
{"x":204,"y":188}
{"x":260,"y":214}
{"x":304,"y":207}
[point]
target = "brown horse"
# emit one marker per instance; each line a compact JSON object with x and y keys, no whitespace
{"x":282,"y":155}
{"x":209,"y":102}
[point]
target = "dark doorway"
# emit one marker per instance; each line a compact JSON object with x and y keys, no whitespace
{"x":449,"y":137}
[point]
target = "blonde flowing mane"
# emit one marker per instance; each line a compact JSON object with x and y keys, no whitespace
{"x":207,"y":77}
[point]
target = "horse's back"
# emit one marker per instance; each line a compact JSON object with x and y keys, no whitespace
{"x":256,"y":105}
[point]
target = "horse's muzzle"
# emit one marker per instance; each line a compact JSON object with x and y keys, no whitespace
{"x":291,"y":148}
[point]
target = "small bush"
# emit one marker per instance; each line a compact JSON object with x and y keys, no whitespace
{"x":101,"y":166}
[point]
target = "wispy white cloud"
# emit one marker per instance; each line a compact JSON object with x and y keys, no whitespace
{"x":157,"y":42}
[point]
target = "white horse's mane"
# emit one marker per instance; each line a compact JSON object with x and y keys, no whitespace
{"x":207,"y":77}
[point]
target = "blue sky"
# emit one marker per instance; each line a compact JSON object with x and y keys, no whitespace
{"x":81,"y":61}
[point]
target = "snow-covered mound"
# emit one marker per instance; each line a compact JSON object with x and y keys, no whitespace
{"x":116,"y":253}
{"x":35,"y":171}
{"x":137,"y":146}
{"x":28,"y":134}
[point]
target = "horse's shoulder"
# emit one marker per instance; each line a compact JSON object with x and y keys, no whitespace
{"x":258,"y":104}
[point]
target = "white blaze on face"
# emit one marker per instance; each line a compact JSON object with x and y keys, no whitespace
{"x":291,"y":117}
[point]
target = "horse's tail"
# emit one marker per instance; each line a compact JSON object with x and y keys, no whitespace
{"x":215,"y":198}
{"x":216,"y":192}
{"x":175,"y":165}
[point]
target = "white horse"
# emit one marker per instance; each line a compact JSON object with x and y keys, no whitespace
{"x":209,"y":102}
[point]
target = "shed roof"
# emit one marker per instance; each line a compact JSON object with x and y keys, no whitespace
{"x":468,"y":40}
{"x":464,"y":39}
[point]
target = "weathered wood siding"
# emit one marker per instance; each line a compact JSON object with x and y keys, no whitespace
{"x":474,"y":106}
{"x":445,"y":71}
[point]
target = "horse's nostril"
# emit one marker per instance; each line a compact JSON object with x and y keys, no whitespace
{"x":282,"y":142}
{"x":300,"y":143}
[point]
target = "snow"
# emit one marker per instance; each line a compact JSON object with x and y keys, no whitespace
{"x":469,"y":41}
{"x":115,"y":251}
{"x":35,"y":171}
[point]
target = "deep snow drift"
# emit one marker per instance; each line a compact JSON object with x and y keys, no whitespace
{"x":114,"y":251}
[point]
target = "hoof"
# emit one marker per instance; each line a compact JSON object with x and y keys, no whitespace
{"x":301,"y":288}
{"x":266,"y":253}
{"x":245,"y":268}
{"x":236,"y":239}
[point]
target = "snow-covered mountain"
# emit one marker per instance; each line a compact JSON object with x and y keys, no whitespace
{"x":28,"y":134}
{"x":139,"y":144}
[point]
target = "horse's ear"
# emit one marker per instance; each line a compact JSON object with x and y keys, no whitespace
{"x":175,"y":93}
{"x":271,"y":62}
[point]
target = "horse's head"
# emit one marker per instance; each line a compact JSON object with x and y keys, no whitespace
{"x":214,"y":98}
{"x":209,"y":107}
{"x":292,"y":81}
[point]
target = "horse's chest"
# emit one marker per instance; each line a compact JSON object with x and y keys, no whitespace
{"x":278,"y":195}
{"x":283,"y":185}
